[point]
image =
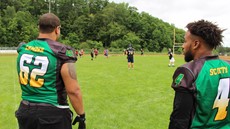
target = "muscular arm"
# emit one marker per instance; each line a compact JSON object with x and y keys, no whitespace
{"x":73,"y":90}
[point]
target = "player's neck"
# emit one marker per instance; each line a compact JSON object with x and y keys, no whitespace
{"x":202,"y":54}
{"x":48,"y":36}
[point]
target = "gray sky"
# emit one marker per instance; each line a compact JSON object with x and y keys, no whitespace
{"x":181,"y":12}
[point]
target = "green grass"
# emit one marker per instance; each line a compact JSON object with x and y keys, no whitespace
{"x":114,"y":97}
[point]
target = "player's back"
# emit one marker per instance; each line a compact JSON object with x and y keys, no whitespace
{"x":212,"y":85}
{"x":38,"y":64}
{"x":130,"y":52}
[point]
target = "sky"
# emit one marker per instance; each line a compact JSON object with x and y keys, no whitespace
{"x":182,"y":12}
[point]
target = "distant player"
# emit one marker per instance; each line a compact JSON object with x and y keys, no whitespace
{"x":106,"y":53}
{"x":171,"y":58}
{"x":76,"y":52}
{"x":142,"y":51}
{"x":81,"y":53}
{"x":95,"y":52}
{"x":130,"y":58}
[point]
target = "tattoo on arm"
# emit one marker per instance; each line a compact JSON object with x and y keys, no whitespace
{"x":72,"y":71}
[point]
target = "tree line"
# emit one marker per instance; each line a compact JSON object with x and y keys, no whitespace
{"x":87,"y":24}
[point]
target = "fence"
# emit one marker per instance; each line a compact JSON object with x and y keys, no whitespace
{"x":8,"y":50}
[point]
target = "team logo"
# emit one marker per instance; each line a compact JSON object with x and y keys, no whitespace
{"x":69,"y":53}
{"x":178,"y":79}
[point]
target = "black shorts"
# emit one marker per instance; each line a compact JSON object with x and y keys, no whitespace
{"x":43,"y":117}
{"x":130,"y":59}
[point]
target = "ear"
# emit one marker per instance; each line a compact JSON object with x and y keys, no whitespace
{"x":56,"y":30}
{"x":196,"y":44}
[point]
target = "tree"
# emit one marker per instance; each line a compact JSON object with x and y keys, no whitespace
{"x":87,"y":23}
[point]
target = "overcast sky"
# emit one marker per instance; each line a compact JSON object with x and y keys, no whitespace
{"x":181,"y":12}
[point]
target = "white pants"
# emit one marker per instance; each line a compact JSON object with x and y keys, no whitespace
{"x":172,"y":60}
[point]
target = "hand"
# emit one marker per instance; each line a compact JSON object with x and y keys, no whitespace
{"x":81,"y":120}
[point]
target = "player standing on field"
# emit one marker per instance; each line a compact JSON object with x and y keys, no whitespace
{"x":81,"y":53}
{"x":46,"y":72}
{"x":95,"y":52}
{"x":106,"y":53}
{"x":202,"y":85}
{"x":171,"y":58}
{"x":142,"y":51}
{"x":130,"y":58}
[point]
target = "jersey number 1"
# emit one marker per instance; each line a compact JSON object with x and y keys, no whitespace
{"x":25,"y":72}
{"x":221,"y":101}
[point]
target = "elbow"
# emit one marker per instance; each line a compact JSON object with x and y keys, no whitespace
{"x":74,"y":92}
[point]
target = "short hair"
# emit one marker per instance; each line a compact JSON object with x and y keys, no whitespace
{"x":48,"y":22}
{"x":208,"y":31}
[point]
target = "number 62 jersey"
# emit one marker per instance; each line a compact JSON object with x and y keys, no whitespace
{"x":38,"y":65}
{"x":202,"y":94}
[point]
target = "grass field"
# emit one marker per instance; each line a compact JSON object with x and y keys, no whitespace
{"x":114,"y":97}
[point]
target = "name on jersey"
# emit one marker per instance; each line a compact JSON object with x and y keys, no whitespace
{"x":220,"y":70}
{"x":34,"y":49}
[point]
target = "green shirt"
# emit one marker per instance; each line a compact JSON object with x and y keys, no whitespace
{"x":207,"y":80}
{"x":38,"y":64}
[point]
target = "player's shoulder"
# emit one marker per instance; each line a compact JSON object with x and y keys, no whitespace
{"x":183,"y":77}
{"x":62,"y":51}
{"x":195,"y":66}
{"x":21,"y":44}
{"x":190,"y":69}
{"x":28,"y":46}
{"x":184,"y":69}
{"x":186,"y":74}
{"x":55,"y":43}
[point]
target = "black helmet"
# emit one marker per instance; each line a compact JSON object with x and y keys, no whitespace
{"x":130,"y":45}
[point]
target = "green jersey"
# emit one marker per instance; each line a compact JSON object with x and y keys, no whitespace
{"x":207,"y":80}
{"x":38,"y":65}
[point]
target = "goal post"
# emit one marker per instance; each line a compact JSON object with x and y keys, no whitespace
{"x":175,"y":45}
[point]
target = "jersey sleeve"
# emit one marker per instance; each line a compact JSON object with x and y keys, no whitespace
{"x":20,"y":46}
{"x":67,"y":54}
{"x":183,"y":78}
{"x":63,"y":52}
{"x":181,"y":115}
